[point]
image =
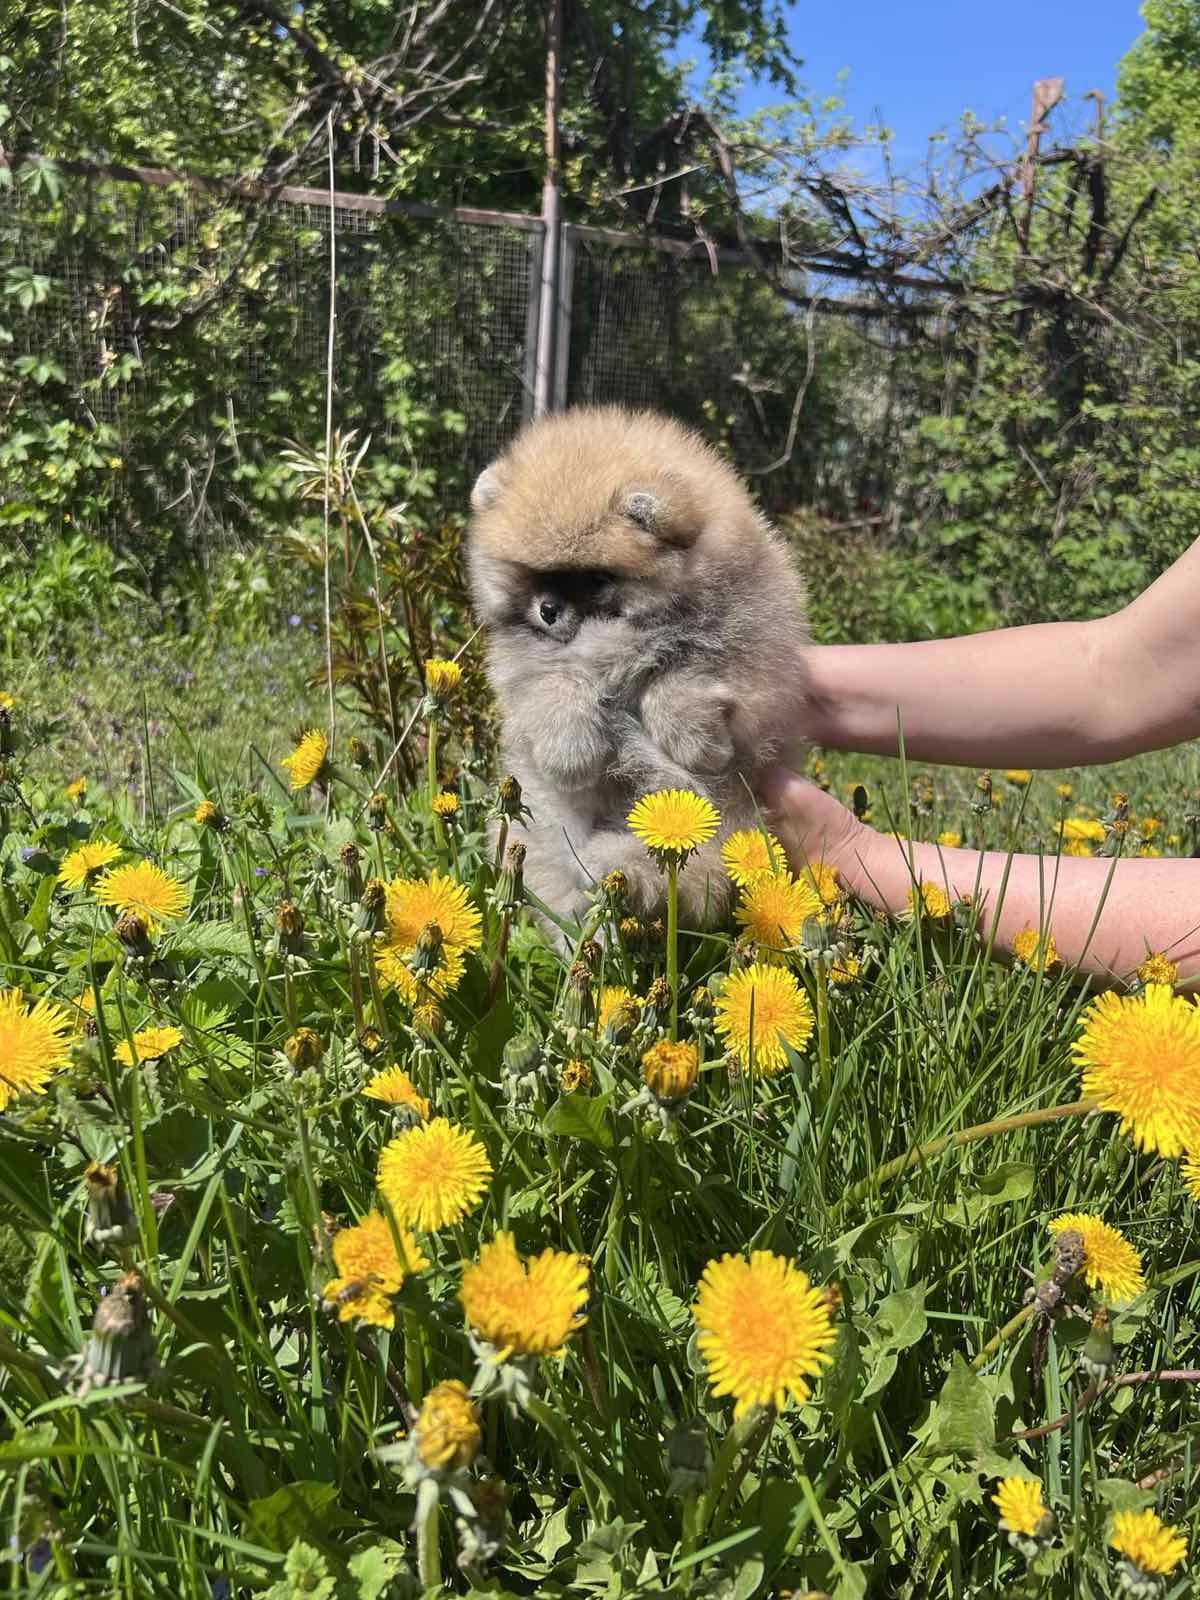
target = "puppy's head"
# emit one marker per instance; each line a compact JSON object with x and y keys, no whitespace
{"x":598,"y":513}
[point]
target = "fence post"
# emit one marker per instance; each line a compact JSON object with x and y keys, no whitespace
{"x":566,"y":304}
{"x":543,"y":390}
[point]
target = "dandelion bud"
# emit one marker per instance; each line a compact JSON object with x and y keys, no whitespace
{"x":371,"y":915}
{"x":702,"y":1007}
{"x":743,"y":954}
{"x":130,"y":929}
{"x":445,"y":806}
{"x":632,"y":930}
{"x":370,"y":1043}
{"x":447,"y":1435}
{"x":523,"y":1054}
{"x":350,"y":879}
{"x":669,"y":1070}
{"x":120,"y":1346}
{"x":590,"y":954}
{"x":428,"y":952}
{"x":982,"y":802}
{"x":657,"y":1003}
{"x":579,"y":1009}
{"x":207,"y":815}
{"x":510,"y":885}
{"x":832,"y":1296}
{"x":575,"y":1077}
{"x":508,"y":802}
{"x":360,"y":756}
{"x":1096,"y":1357}
{"x":289,"y":922}
{"x":616,"y":887}
{"x":1157,"y":969}
{"x":442,"y":678}
{"x":304,"y":1049}
{"x":377,"y":813}
{"x":109,"y":1219}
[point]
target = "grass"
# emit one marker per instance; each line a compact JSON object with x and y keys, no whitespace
{"x":261,"y":1452}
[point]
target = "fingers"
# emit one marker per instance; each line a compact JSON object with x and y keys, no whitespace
{"x":810,"y":824}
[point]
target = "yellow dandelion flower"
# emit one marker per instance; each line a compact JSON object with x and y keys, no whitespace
{"x":669,"y":1069}
{"x":447,"y":1432}
{"x":395,"y":1088}
{"x":7,"y":701}
{"x":442,"y":678}
{"x":575,"y":1077}
{"x":1147,"y":1542}
{"x":145,"y":890}
{"x":445,"y":805}
{"x":1077,"y":847}
{"x":1149,"y":826}
{"x":79,"y":864}
{"x":825,"y":880}
{"x":76,"y":790}
{"x":148,"y":1045}
{"x":759,"y":1010}
{"x":846,"y":969}
{"x":671,"y":823}
{"x":774,"y":909}
{"x":1157,"y":969}
{"x":1064,"y":791}
{"x":434,"y":1175}
{"x":931,"y":902}
{"x":32,"y":1045}
{"x":1110,"y":1263}
{"x":1140,"y":1056}
{"x":751,"y":852}
{"x":1019,"y":1502}
{"x":1084,"y":829}
{"x":949,"y":840}
{"x":764,"y":1330}
{"x":1035,"y":950}
{"x":1019,"y":776}
{"x":369,"y":1271}
{"x":1190,"y":1172}
{"x":308,"y":759}
{"x":524,"y":1308}
{"x":412,"y":904}
{"x":611,"y":997}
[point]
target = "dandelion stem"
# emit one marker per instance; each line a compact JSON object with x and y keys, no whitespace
{"x":981,"y":1130}
{"x":821,"y":974}
{"x":414,"y":1378}
{"x":1013,"y":1325}
{"x":431,"y":779}
{"x":747,"y":1434}
{"x":673,"y":942}
{"x":429,"y":1553}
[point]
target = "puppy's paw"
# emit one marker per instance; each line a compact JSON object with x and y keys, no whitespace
{"x":691,"y":723}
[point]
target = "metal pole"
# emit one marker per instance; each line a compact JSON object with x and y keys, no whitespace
{"x":544,"y":398}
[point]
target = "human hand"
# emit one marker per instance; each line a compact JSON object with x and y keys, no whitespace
{"x":811,"y":825}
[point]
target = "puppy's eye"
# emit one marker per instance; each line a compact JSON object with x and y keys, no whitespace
{"x":548,"y":612}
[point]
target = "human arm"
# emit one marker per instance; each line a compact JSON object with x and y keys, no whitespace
{"x":1144,"y":905}
{"x":1055,"y":694}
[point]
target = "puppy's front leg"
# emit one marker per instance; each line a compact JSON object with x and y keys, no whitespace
{"x":567,"y":733}
{"x":690,"y":720}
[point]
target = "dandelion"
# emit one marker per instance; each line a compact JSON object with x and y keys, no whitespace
{"x":1033,"y":949}
{"x":149,"y":1044}
{"x":575,"y":1077}
{"x":949,"y":840}
{"x":304,"y":1049}
{"x":524,"y":1308}
{"x":1151,"y":1547}
{"x":1140,"y":1056}
{"x":445,"y":805}
{"x":447,"y":1435}
{"x":394,"y":1087}
{"x":1019,"y":1502}
{"x":763,"y":1329}
{"x":846,"y":969}
{"x":309,"y":760}
{"x":1064,"y":791}
{"x":32,"y":1045}
{"x":673,"y":823}
{"x":749,"y":853}
{"x":612,"y":997}
{"x":1157,"y":969}
{"x":1190,"y":1172}
{"x":369,"y":1270}
{"x":825,"y":880}
{"x":442,"y":678}
{"x":433,"y":1176}
{"x":1110,"y":1263}
{"x":79,"y":864}
{"x":76,"y":790}
{"x":1019,"y":776}
{"x":774,"y":909}
{"x":7,"y":701}
{"x":412,"y":905}
{"x":207,"y":815}
{"x":930,"y":901}
{"x":145,"y":890}
{"x":759,"y":1011}
{"x":669,"y":1070}
{"x":1082,"y":829}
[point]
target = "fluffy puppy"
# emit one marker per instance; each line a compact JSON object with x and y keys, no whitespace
{"x":645,"y":631}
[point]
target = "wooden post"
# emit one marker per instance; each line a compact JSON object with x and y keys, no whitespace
{"x":544,"y":398}
{"x":1047,"y":92}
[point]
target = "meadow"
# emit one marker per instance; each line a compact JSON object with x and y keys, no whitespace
{"x":358,"y":1242}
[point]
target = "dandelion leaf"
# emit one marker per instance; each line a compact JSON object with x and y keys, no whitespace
{"x":963,"y":1422}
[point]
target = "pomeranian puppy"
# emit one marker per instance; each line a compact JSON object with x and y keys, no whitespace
{"x":645,"y":631}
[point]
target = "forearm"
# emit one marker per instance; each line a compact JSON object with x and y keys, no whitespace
{"x":1017,"y":697}
{"x":1104,"y":920}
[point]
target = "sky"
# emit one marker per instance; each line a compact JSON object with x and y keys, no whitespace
{"x":917,"y":64}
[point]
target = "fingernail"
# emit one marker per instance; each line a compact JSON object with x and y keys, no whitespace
{"x":779,"y":789}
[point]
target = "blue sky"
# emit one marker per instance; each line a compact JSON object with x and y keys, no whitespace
{"x":917,"y":64}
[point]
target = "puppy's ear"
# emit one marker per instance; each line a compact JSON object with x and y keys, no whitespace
{"x":665,"y":509}
{"x":487,"y":488}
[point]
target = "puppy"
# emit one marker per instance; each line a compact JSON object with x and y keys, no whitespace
{"x":645,"y":631}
